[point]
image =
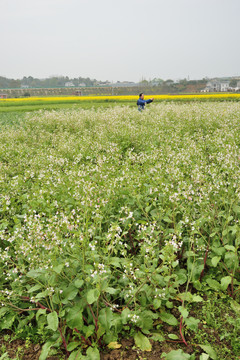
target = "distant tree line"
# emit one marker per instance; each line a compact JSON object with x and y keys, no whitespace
{"x":51,"y":82}
{"x":170,"y":82}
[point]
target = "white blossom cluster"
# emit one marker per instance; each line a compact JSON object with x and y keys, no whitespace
{"x":133,"y":317}
{"x":100,"y":270}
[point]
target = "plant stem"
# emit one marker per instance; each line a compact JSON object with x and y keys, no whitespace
{"x":181,"y":327}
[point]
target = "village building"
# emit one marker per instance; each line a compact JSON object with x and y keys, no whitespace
{"x":69,"y":84}
{"x":217,"y":86}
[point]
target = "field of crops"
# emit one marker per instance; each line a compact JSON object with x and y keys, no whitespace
{"x":116,"y":224}
{"x":33,"y":103}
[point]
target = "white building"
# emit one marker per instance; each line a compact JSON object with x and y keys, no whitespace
{"x":216,"y":86}
{"x":224,"y":85}
{"x":69,"y":84}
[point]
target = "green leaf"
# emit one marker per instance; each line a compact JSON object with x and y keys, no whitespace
{"x":147,"y":209}
{"x":111,"y":290}
{"x":230,"y":248}
{"x":183,"y":312}
{"x":78,"y":283}
{"x":145,"y":321}
{"x":58,"y":268}
{"x":157,"y":303}
{"x":197,"y":298}
{"x":74,"y":318}
{"x":40,"y":312}
{"x":157,"y":337}
{"x":34,"y":273}
{"x":215,"y":260}
{"x":115,"y":261}
{"x":72,"y":345}
{"x":192,"y":323}
{"x":169,"y":305}
{"x":236,"y":209}
{"x":214,"y":284}
{"x":224,"y":233}
{"x":41,"y":295}
{"x":35,"y":288}
{"x":93,"y":354}
{"x":4,"y":356}
{"x":186,"y":296}
{"x":52,"y":320}
{"x":105,"y":318}
{"x":204,"y":356}
{"x":235,"y":306}
{"x":92,"y":296}
{"x":100,"y":331}
{"x":76,"y":355}
{"x":169,"y":319}
{"x":142,"y":342}
{"x":7,"y":321}
{"x":231,"y":260}
{"x":225,"y":281}
{"x":69,"y":294}
{"x":166,"y":219}
{"x":218,"y":250}
{"x":176,"y":355}
{"x":124,"y":315}
{"x":173,"y":336}
{"x":45,"y":350}
{"x":3,"y":311}
{"x":89,"y":330}
{"x":209,"y":350}
{"x":154,"y":213}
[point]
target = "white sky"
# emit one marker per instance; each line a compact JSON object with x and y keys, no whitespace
{"x":120,"y":40}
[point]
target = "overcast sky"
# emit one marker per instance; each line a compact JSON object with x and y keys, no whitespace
{"x":120,"y":40}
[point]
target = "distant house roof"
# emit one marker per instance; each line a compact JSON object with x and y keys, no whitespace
{"x":69,"y":84}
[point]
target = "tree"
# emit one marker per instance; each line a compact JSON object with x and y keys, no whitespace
{"x":157,"y":81}
{"x":14,"y":84}
{"x":233,"y":83}
{"x":144,"y":82}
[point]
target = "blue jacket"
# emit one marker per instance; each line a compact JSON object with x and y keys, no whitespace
{"x":141,"y":103}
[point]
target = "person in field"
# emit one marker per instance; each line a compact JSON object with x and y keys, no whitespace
{"x":141,"y":102}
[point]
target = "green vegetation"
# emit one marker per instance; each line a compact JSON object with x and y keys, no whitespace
{"x":51,"y":82}
{"x":115,"y":223}
{"x":57,"y":105}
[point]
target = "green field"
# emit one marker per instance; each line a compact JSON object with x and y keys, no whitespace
{"x":29,"y":107}
{"x":118,"y":225}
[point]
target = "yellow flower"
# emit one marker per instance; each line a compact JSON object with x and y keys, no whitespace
{"x":66,"y":99}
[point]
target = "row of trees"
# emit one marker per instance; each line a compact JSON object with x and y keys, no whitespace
{"x":170,"y":82}
{"x":51,"y":82}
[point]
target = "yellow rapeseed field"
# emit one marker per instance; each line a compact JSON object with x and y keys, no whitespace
{"x":121,"y":98}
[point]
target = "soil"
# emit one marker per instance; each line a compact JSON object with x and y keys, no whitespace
{"x":18,"y":347}
{"x":128,"y":351}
